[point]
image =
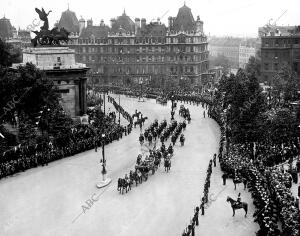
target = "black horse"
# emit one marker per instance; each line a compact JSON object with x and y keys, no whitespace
{"x":167,"y":164}
{"x":182,"y":139}
{"x":235,"y":205}
{"x":236,"y":181}
{"x":123,"y":184}
{"x":141,"y":139}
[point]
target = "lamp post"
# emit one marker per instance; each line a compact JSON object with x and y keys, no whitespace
{"x":172,"y":111}
{"x":105,"y":181}
{"x":104,"y":103}
{"x":119,"y":109}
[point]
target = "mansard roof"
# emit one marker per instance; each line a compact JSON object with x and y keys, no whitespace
{"x":69,"y":21}
{"x":96,"y":31}
{"x":123,"y":22}
{"x":184,"y":20}
{"x":153,"y":29}
{"x":5,"y":28}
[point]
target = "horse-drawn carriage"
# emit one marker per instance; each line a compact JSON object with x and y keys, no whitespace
{"x":145,"y":167}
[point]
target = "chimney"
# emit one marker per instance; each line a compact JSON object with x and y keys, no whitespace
{"x":137,"y":25}
{"x":143,"y":23}
{"x":170,"y":22}
{"x":199,"y":25}
{"x":90,"y":23}
{"x":81,"y":25}
{"x":102,"y":23}
{"x":112,"y":22}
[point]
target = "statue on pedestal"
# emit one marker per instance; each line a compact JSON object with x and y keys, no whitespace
{"x":46,"y":36}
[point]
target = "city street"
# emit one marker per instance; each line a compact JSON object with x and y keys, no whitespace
{"x":62,"y":199}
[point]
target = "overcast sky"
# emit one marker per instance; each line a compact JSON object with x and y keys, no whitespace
{"x":221,"y":17}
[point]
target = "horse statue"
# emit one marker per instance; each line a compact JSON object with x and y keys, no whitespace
{"x":235,"y":205}
{"x":59,"y":35}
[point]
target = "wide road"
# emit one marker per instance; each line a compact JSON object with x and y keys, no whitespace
{"x":57,"y":199}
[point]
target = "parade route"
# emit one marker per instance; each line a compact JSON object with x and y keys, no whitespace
{"x":62,"y":198}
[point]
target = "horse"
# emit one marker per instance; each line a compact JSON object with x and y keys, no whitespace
{"x":236,"y":181}
{"x":59,"y":35}
{"x":235,"y":206}
{"x":157,"y":162}
{"x":182,"y":139}
{"x":167,"y":164}
{"x":123,"y":184}
{"x":141,"y":139}
{"x":139,"y":176}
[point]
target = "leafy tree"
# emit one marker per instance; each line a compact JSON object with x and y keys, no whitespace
{"x":8,"y":54}
{"x":286,"y":84}
{"x":243,"y":102}
{"x":222,"y":61}
{"x":280,"y":124}
{"x":25,"y":90}
{"x":253,"y":67}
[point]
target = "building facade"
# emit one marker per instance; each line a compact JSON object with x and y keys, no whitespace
{"x":236,"y":50}
{"x":278,"y":50}
{"x":130,"y":51}
{"x":245,"y":52}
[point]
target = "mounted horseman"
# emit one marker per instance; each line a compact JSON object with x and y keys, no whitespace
{"x":182,"y":139}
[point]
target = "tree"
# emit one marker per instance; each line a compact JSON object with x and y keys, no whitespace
{"x":222,"y":61}
{"x":253,"y":67}
{"x":243,"y":102}
{"x":8,"y":54}
{"x":280,"y":125}
{"x":25,"y":90}
{"x":286,"y":84}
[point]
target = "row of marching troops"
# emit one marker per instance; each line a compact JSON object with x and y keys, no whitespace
{"x":158,"y":130}
{"x":152,"y":161}
{"x":120,"y":109}
{"x":79,"y":139}
{"x":190,"y":229}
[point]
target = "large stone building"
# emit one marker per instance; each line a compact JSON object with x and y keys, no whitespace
{"x":247,"y":49}
{"x":280,"y":47}
{"x":129,"y":51}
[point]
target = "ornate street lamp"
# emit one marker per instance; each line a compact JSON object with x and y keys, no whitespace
{"x":105,"y":181}
{"x":172,"y":111}
{"x":119,"y":108}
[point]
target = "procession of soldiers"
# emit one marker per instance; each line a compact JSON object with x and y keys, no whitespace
{"x":152,"y":161}
{"x":268,"y":173}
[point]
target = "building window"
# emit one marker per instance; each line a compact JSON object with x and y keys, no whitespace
{"x":275,"y":66}
{"x":266,"y":66}
{"x":295,"y":65}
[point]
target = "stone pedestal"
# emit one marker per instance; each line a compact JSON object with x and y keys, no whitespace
{"x":59,"y":65}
